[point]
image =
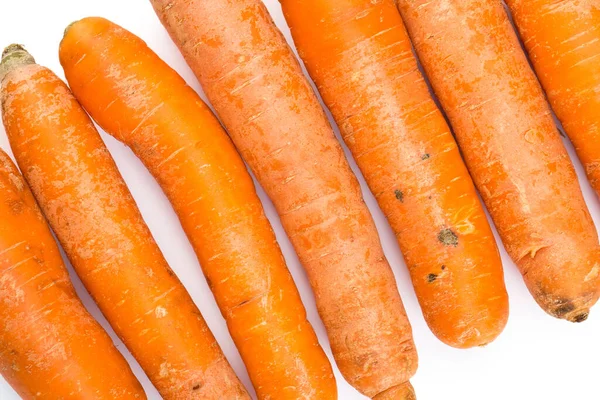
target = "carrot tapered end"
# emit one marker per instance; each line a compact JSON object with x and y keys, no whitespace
{"x":404,"y":391}
{"x":13,"y":57}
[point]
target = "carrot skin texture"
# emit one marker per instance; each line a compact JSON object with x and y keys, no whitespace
{"x":512,"y":148}
{"x":360,"y":57}
{"x":563,"y":42}
{"x":46,"y":334}
{"x":95,"y":218}
{"x":185,"y":148}
{"x":275,"y":120}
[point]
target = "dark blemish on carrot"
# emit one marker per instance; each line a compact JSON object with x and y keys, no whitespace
{"x":431,"y":277}
{"x":399,"y":195}
{"x":443,"y":267}
{"x":581,"y":317}
{"x":196,"y":387}
{"x":425,"y":156}
{"x":565,"y":308}
{"x":448,"y":237}
{"x":243,"y":302}
{"x":429,"y":197}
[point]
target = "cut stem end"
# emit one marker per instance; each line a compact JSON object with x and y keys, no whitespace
{"x":13,"y":57}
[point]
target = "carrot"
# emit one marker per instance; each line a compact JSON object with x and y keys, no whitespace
{"x":96,"y":220}
{"x":139,"y":99}
{"x":563,"y":41}
{"x":511,"y":146}
{"x":360,"y":56}
{"x":274,"y":118}
{"x":50,"y":346}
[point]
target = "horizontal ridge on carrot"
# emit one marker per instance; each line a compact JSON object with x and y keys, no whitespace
{"x":140,"y":100}
{"x":511,"y":147}
{"x":95,"y":218}
{"x":563,"y":41}
{"x":50,"y":346}
{"x":275,"y":120}
{"x":360,"y":57}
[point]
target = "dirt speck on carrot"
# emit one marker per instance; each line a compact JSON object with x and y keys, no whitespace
{"x":399,"y":195}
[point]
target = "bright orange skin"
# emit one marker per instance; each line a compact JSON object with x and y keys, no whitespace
{"x":511,"y":146}
{"x":359,"y":54}
{"x":139,"y":99}
{"x":275,"y":120}
{"x":50,"y":346}
{"x":95,"y":218}
{"x":563,"y":41}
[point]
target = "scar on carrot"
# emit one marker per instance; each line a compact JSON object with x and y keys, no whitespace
{"x":448,"y":237}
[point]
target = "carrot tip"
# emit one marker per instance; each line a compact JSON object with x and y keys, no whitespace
{"x":13,"y":57}
{"x":580,"y":317}
{"x":404,"y":391}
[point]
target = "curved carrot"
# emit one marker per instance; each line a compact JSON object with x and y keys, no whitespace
{"x":360,"y":56}
{"x":511,"y":147}
{"x":140,"y":100}
{"x":563,"y":41}
{"x":88,"y":205}
{"x":50,"y":346}
{"x":274,"y":118}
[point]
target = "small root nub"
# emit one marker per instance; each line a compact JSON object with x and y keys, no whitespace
{"x":580,"y":317}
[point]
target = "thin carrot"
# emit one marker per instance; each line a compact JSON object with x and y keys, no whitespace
{"x":563,"y":41}
{"x":511,"y":146}
{"x":360,"y":56}
{"x":139,"y":99}
{"x":275,"y":120}
{"x":50,"y":346}
{"x":96,"y":220}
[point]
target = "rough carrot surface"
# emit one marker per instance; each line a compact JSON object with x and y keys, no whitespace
{"x":274,"y":118}
{"x":563,"y":41}
{"x":89,"y":207}
{"x":50,"y":346}
{"x":140,"y":100}
{"x":511,"y":146}
{"x":360,"y":56}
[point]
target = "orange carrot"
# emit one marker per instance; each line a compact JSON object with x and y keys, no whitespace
{"x":511,"y":146}
{"x":360,"y":56}
{"x":88,"y":205}
{"x":140,"y":100}
{"x":275,"y":120}
{"x":50,"y":346}
{"x":563,"y":41}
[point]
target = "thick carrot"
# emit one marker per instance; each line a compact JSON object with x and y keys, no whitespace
{"x":511,"y":146}
{"x":139,"y":99}
{"x":563,"y":41}
{"x":50,"y":346}
{"x":274,"y":118}
{"x":87,"y":203}
{"x":360,"y":56}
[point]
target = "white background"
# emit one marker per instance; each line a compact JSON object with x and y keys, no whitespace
{"x":537,"y":357}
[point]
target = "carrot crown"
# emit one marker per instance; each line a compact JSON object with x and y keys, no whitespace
{"x":13,"y":57}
